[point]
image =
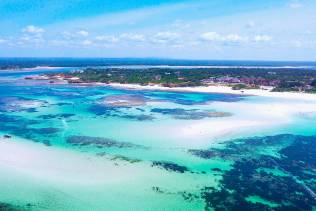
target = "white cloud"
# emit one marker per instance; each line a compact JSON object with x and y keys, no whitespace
{"x":2,"y":41}
{"x":87,"y":42}
{"x":108,"y":38}
{"x":262,"y":38}
{"x":26,"y":39}
{"x":250,"y":24}
{"x":75,"y":35}
{"x":211,"y":36}
{"x":31,"y":29}
{"x":165,"y":37}
{"x":235,"y":38}
{"x":83,"y":33}
{"x":68,"y":35}
{"x":33,"y":35}
{"x":59,"y":43}
{"x":133,"y":37}
{"x":295,"y":5}
{"x":216,"y":37}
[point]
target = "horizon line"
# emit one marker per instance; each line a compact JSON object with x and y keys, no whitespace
{"x":158,"y":58}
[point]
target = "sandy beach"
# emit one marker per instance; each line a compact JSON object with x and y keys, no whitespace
{"x":222,"y":89}
{"x":41,"y":68}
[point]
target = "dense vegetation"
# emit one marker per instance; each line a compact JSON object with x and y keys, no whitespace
{"x":239,"y":78}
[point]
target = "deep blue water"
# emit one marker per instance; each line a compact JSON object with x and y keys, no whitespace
{"x":82,"y":62}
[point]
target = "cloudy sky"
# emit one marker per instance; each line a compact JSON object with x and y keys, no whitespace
{"x":191,"y":29}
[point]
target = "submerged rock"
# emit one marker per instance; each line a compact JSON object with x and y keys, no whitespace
{"x":215,"y":114}
{"x":58,"y":116}
{"x":170,"y":166}
{"x":18,"y":104}
{"x":157,"y":189}
{"x":7,"y":136}
{"x":206,"y":154}
{"x":127,"y":159}
{"x":124,"y":100}
{"x":216,"y":169}
{"x":141,"y":117}
{"x":9,"y":207}
{"x":45,"y":131}
{"x":17,"y":125}
{"x":190,"y":114}
{"x":98,"y":142}
{"x":47,"y":143}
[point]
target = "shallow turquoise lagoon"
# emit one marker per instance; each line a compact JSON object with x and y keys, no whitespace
{"x":100,"y":148}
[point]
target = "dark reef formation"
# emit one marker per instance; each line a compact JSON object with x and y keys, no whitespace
{"x":99,"y":142}
{"x":141,"y":117}
{"x":294,"y":190}
{"x":124,"y":100}
{"x":169,"y":166}
{"x":191,"y":114}
{"x":19,"y":104}
{"x":9,"y":207}
{"x":56,"y":116}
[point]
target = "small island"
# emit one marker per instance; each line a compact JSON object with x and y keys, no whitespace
{"x":243,"y":78}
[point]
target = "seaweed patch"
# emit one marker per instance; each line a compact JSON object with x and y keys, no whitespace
{"x":18,"y":104}
{"x":141,"y":117}
{"x":124,"y":100}
{"x":9,"y":207}
{"x":98,"y":142}
{"x":248,"y":186}
{"x":58,"y":116}
{"x":191,"y":114}
{"x":169,"y":166}
{"x":126,"y":159}
{"x":45,"y":131}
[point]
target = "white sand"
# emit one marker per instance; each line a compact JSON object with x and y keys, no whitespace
{"x":39,"y":161}
{"x":249,"y":119}
{"x":222,"y":89}
{"x":253,"y":120}
{"x":41,"y":68}
{"x":65,"y":180}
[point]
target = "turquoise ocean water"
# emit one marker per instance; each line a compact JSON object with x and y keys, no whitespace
{"x":167,"y":152}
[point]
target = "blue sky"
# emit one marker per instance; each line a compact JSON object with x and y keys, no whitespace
{"x":189,"y":29}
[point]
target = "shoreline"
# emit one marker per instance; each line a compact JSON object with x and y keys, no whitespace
{"x":40,"y":67}
{"x":217,"y":89}
{"x":27,"y":69}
